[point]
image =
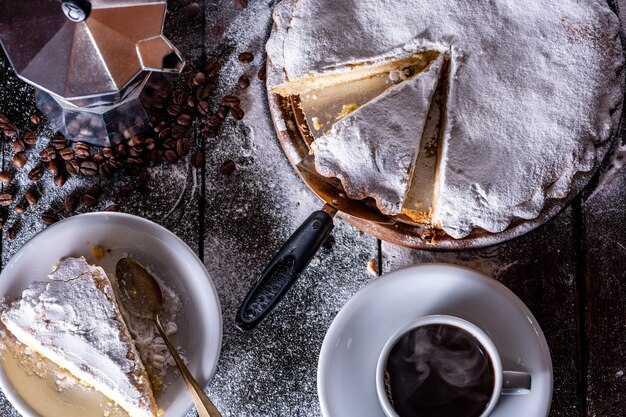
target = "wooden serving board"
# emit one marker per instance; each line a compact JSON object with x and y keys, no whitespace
{"x":287,"y":119}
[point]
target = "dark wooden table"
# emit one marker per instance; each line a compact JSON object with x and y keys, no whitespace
{"x":571,"y":272}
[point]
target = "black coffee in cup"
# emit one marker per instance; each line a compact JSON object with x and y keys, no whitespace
{"x":439,"y":370}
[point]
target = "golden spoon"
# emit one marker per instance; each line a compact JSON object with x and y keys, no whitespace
{"x":142,"y":296}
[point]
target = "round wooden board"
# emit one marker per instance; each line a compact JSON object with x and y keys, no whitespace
{"x":295,"y":146}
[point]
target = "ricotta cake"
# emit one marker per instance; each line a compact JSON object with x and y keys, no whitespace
{"x":73,"y":320}
{"x":531,"y":89}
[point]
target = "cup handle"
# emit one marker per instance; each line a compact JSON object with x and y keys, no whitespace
{"x":515,"y":383}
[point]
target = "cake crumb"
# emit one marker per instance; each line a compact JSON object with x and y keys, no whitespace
{"x":372,"y":267}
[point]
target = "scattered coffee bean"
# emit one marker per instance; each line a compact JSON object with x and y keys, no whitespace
{"x":47,"y":154}
{"x":29,"y":137}
{"x":67,"y":154}
{"x":237,"y":113}
{"x":6,"y":177}
{"x":49,"y":217}
{"x":205,"y":92}
{"x":144,"y":176}
{"x":243,"y":82}
{"x":32,"y":197}
{"x":59,"y":180}
{"x":178,"y":98}
{"x":132,"y":161}
{"x":70,"y":203}
{"x":81,"y":153}
{"x":19,"y":208}
{"x":183,"y":146}
{"x":241,"y":4}
{"x":222,"y":111}
{"x":4,"y":121}
{"x":192,"y":10}
{"x":199,"y":78}
{"x":179,"y":131}
{"x":149,"y":144}
{"x":156,"y":156}
{"x":89,"y":200}
{"x":19,"y":160}
{"x":262,"y":74}
{"x":246,"y":57}
{"x":122,"y":150}
{"x":98,"y":158}
{"x":95,"y":190}
{"x":72,"y":167}
{"x":112,"y":207}
{"x":228,"y":167}
{"x":10,"y":130}
{"x":213,"y":68}
{"x":35,"y":119}
{"x":125,"y":191}
{"x":3,"y":218}
{"x":82,"y":145}
{"x":231,"y":101}
{"x":58,"y":141}
{"x":197,"y":159}
{"x":173,"y":109}
{"x":107,"y":152}
{"x":184,"y":119}
{"x":115,"y":163}
{"x":203,"y":108}
{"x":192,"y":102}
{"x":36,"y":173}
{"x":209,"y":132}
{"x":171,"y":156}
{"x":11,"y":233}
{"x":105,"y":170}
{"x":53,"y":167}
{"x":214,"y":121}
{"x":18,"y":145}
{"x":6,"y":199}
{"x":217,"y":31}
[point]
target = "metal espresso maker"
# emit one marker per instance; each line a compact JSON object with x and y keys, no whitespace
{"x":95,"y":64}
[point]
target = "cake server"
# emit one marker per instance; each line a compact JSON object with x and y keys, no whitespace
{"x":294,"y":256}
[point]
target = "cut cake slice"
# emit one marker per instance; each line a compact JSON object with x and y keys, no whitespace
{"x":74,"y":321}
{"x":373,"y":149}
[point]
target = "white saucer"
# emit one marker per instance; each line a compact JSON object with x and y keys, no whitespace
{"x":200,"y":322}
{"x":347,"y":365}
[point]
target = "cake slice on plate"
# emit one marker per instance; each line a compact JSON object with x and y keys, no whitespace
{"x":373,"y":149}
{"x":74,"y":320}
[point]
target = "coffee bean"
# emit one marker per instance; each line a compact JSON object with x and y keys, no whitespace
{"x":89,"y":200}
{"x":36,"y":173}
{"x":6,"y":199}
{"x":19,"y":145}
{"x":122,"y":150}
{"x":204,"y":92}
{"x":156,"y":156}
{"x":213,"y":68}
{"x":183,"y":146}
{"x":19,"y":160}
{"x":203,"y":108}
{"x":222,"y":111}
{"x":214,"y":121}
{"x":173,"y":109}
{"x":159,"y":126}
{"x":135,"y":151}
{"x":217,"y":31}
{"x":6,"y":177}
{"x":178,"y":97}
{"x":144,"y":176}
{"x":199,"y":78}
{"x":133,"y":161}
{"x":49,"y":217}
{"x":35,"y":119}
{"x":171,"y":156}
{"x":136,"y":141}
{"x":53,"y":167}
{"x":19,"y":208}
{"x":81,"y":153}
{"x":246,"y":57}
{"x":179,"y":131}
{"x":98,"y":158}
{"x":10,"y":130}
{"x":95,"y":190}
{"x":237,"y":113}
{"x":231,"y":101}
{"x":72,"y":167}
{"x":105,"y":170}
{"x":59,"y":180}
{"x":107,"y":152}
{"x":192,"y":102}
{"x":58,"y":141}
{"x":241,"y":4}
{"x":150,"y":144}
{"x":165,"y":133}
{"x":29,"y":137}
{"x":112,"y":207}
{"x":3,"y":218}
{"x":115,"y":163}
{"x":228,"y":167}
{"x":67,"y":154}
{"x":32,"y":196}
{"x":70,"y":203}
{"x":47,"y":154}
{"x":184,"y":119}
{"x":125,"y":191}
{"x":4,"y":121}
{"x":262,"y":74}
{"x":11,"y":233}
{"x":210,"y":132}
{"x":88,"y":168}
{"x":197,"y":159}
{"x":192,"y":10}
{"x":243,"y":82}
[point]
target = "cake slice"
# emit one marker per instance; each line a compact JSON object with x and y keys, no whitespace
{"x":74,"y":320}
{"x":372,"y":150}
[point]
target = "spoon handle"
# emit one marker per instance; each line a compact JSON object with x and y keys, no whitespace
{"x":204,"y":406}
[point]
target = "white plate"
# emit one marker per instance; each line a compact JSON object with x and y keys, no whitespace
{"x":347,"y":365}
{"x":200,"y":322}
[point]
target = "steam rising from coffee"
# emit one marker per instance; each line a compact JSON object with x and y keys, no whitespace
{"x":439,"y":370}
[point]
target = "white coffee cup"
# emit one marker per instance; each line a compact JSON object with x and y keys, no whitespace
{"x":505,"y":382}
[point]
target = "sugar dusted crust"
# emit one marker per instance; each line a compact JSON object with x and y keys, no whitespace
{"x":534,"y":88}
{"x":73,"y":320}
